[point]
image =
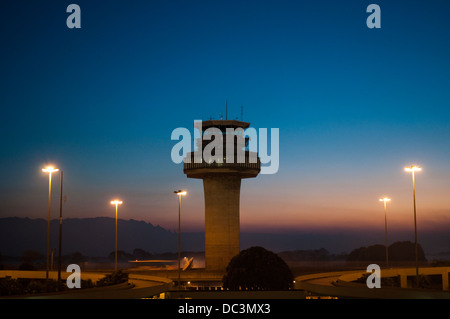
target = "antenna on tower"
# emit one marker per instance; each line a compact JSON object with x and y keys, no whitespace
{"x":226,"y":110}
{"x":242,"y":112}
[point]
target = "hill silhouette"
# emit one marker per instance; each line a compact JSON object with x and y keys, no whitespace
{"x":95,"y":237}
{"x":90,"y":236}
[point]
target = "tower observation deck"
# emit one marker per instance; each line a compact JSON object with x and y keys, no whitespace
{"x":222,"y":160}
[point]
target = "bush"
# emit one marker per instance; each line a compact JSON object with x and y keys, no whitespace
{"x":22,"y":286}
{"x":115,"y":278}
{"x":26,"y":286}
{"x":35,"y":287}
{"x":257,"y":269}
{"x":385,"y":281}
{"x":9,"y":286}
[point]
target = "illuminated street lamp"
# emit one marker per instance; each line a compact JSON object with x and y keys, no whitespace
{"x":60,"y":225}
{"x":179,"y":193}
{"x":49,"y":170}
{"x":413,"y":169}
{"x":385,"y":200}
{"x":117,"y":203}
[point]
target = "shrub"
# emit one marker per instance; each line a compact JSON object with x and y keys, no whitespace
{"x":257,"y":269}
{"x":114,"y":278}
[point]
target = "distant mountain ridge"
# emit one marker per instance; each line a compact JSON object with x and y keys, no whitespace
{"x":95,"y":237}
{"x":90,"y":236}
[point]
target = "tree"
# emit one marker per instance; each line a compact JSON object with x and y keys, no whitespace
{"x":114,"y":278}
{"x":121,"y":255}
{"x":371,"y":253}
{"x":30,"y":256}
{"x":76,"y":258}
{"x":141,"y":254}
{"x":398,"y":251}
{"x":406,"y":250}
{"x":257,"y":269}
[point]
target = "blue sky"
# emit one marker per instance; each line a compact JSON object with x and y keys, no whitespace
{"x":353,"y":105}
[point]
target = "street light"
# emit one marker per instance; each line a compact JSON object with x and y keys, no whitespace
{"x":413,"y":169}
{"x":116,"y":202}
{"x":60,"y":225}
{"x":49,"y":170}
{"x":179,"y":193}
{"x":385,"y":200}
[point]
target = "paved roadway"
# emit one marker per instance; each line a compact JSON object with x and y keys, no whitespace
{"x":138,"y":286}
{"x":334,"y":285}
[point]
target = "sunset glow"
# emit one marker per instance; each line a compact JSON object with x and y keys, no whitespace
{"x":359,"y":111}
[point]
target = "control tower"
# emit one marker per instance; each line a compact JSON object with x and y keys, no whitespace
{"x":222,"y":174}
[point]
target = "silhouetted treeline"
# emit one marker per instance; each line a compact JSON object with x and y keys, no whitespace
{"x":140,"y":254}
{"x":89,"y":236}
{"x":398,"y":251}
{"x":311,"y":255}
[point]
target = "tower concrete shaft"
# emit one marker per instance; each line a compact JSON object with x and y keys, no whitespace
{"x":222,"y":220}
{"x":222,"y":186}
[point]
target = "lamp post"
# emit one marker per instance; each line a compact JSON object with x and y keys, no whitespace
{"x":49,"y":170}
{"x":117,"y":203}
{"x":60,"y":226}
{"x":413,"y":169}
{"x":179,"y":193}
{"x":385,"y":200}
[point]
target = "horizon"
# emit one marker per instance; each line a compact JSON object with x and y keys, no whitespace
{"x":336,"y":242}
{"x":268,"y":230}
